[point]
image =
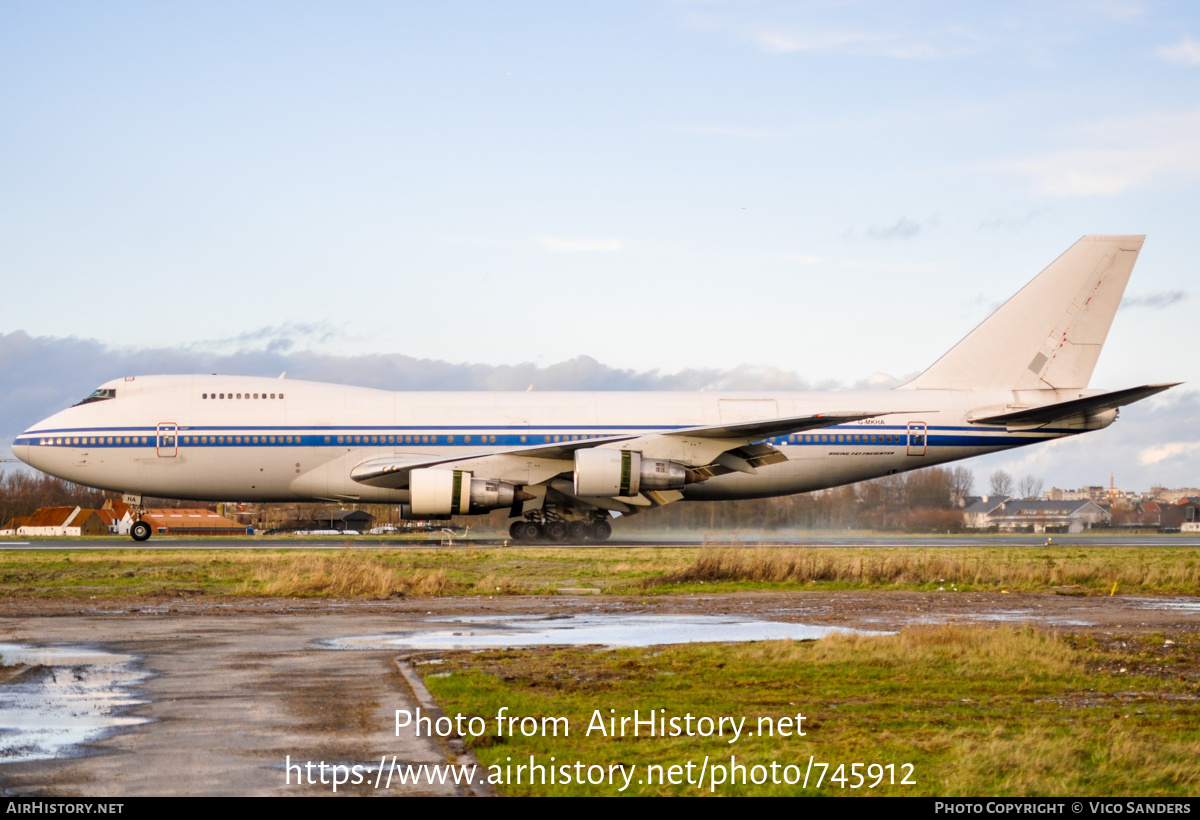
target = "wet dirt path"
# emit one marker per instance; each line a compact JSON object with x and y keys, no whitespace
{"x":237,"y":686}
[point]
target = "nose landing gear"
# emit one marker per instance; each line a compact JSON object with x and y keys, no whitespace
{"x":139,"y":531}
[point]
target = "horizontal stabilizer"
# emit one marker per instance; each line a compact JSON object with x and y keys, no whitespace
{"x":1049,"y":413}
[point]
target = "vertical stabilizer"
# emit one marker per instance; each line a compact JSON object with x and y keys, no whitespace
{"x":1049,"y":335}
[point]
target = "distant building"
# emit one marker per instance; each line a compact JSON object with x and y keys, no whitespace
{"x":1177,"y":516}
{"x":191,"y":521}
{"x":1037,"y":516}
{"x":975,"y":514}
{"x":1096,"y":492}
{"x":14,"y":524}
{"x":1147,"y":514}
{"x":117,"y":515}
{"x":343,"y":520}
{"x":63,"y":521}
{"x":1167,"y":496}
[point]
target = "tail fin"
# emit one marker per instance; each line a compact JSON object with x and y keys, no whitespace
{"x":1049,"y":335}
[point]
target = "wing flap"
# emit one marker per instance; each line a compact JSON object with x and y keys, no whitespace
{"x":766,"y":428}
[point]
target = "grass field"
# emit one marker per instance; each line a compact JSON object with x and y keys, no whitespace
{"x":619,"y":570}
{"x":975,"y":711}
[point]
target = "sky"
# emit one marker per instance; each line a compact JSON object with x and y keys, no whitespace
{"x":606,"y":195}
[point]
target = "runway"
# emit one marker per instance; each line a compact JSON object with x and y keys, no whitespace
{"x":764,"y":540}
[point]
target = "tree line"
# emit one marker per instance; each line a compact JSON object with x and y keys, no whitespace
{"x":929,"y":499}
{"x":23,"y":492}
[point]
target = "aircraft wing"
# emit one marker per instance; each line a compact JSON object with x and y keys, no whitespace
{"x":1049,"y":413}
{"x":700,"y":447}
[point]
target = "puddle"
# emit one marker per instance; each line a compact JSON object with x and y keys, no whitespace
{"x":67,"y":696}
{"x":1174,"y":604}
{"x":1014,"y":616}
{"x":498,"y":632}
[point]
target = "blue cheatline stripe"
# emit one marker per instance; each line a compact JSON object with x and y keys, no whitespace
{"x":202,"y":437}
{"x":605,"y":429}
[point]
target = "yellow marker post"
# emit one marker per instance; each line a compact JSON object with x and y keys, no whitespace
{"x":1114,"y":590}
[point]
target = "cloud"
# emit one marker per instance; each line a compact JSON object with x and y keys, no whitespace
{"x":559,"y":244}
{"x":43,"y":375}
{"x":904,"y":228}
{"x":1186,"y":52}
{"x":1157,"y":301}
{"x":1161,"y":452}
{"x":274,"y":338}
{"x":1114,"y":156}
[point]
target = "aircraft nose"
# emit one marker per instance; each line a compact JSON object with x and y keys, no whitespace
{"x":24,"y":448}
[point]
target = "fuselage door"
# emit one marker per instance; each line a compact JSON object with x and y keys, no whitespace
{"x":918,"y":438}
{"x":168,"y":440}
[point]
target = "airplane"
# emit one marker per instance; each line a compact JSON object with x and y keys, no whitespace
{"x":563,"y":463}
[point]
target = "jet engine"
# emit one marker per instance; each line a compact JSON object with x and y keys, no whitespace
{"x":454,"y":492}
{"x":608,"y":473}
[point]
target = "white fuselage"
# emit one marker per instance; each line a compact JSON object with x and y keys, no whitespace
{"x":274,"y":440}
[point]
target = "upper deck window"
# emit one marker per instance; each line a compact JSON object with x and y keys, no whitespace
{"x":100,"y":394}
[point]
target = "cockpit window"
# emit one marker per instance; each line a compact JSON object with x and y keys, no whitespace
{"x":100,"y":395}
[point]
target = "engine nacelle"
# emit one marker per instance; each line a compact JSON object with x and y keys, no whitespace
{"x":406,"y":514}
{"x":609,"y":473}
{"x":454,"y":492}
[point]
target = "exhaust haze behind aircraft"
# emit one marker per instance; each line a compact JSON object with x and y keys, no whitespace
{"x":562,"y":462}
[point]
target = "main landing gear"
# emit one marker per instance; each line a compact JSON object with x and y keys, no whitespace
{"x":543,"y":527}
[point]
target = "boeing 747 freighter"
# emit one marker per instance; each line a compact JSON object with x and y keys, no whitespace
{"x":562,"y":462}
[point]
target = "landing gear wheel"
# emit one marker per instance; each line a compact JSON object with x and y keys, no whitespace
{"x":600,"y":530}
{"x":577,"y":531}
{"x":555,"y":531}
{"x":140,"y":531}
{"x":525,"y":531}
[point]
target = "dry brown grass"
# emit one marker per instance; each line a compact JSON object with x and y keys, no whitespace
{"x":1025,"y":568}
{"x":969,"y":650}
{"x":1048,"y":761}
{"x":345,"y":575}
